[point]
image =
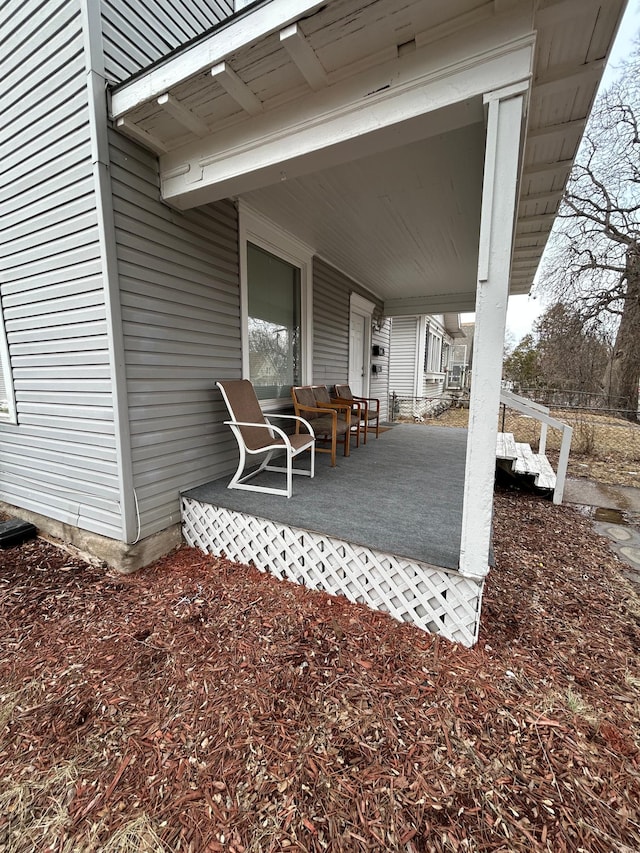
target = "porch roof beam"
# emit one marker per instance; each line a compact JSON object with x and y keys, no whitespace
{"x":355,"y":117}
{"x":303,"y":57}
{"x":142,"y":136}
{"x":182,"y":115}
{"x":224,"y":74}
{"x":209,"y":51}
{"x":442,"y":303}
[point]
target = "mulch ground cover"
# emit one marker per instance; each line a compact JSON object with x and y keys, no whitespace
{"x":200,"y":705}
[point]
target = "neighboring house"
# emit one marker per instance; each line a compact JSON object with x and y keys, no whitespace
{"x":460,"y":364}
{"x":375,"y":160}
{"x":420,"y":352}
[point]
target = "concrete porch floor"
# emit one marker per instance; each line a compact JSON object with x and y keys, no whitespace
{"x":400,"y":494}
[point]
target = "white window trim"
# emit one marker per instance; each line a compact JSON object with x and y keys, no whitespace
{"x":435,"y":334}
{"x":7,"y":374}
{"x":254,"y":227}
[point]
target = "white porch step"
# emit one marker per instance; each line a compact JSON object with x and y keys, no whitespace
{"x":525,"y":461}
{"x":506,"y":446}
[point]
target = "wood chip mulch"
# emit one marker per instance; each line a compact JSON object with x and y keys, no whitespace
{"x":202,"y":706}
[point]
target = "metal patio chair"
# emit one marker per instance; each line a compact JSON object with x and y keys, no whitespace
{"x":370,"y":409}
{"x":256,"y":435}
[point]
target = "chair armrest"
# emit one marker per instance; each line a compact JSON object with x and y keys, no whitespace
{"x":283,"y":435}
{"x":370,"y":400}
{"x":342,"y":403}
{"x":315,"y":410}
{"x":292,"y":418}
{"x":325,"y":410}
{"x":337,"y":406}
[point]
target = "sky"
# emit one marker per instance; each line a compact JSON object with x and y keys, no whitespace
{"x":523,"y":311}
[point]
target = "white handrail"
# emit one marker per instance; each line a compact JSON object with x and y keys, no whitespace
{"x":541,"y":413}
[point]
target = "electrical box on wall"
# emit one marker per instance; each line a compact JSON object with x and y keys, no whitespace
{"x":376,"y":368}
{"x":377,"y":350}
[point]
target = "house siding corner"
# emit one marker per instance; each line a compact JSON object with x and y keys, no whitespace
{"x":60,"y":458}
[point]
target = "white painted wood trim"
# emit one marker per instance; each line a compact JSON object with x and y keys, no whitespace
{"x":358,"y":116}
{"x":496,"y":235}
{"x":182,"y":115}
{"x":255,"y":228}
{"x":361,"y":304}
{"x":142,"y":136}
{"x":421,"y":354}
{"x":236,"y":35}
{"x":236,"y":88}
{"x":563,"y":462}
{"x":364,"y":308}
{"x":7,"y":374}
{"x":303,"y":56}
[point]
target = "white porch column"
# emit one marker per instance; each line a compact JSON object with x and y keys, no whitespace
{"x":504,"y":130}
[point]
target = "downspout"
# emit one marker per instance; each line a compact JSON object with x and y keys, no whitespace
{"x":96,"y":90}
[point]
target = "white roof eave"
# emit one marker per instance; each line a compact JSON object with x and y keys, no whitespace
{"x":207,"y":52}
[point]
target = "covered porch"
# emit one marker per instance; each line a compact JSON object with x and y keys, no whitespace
{"x":382,"y":528}
{"x":421,"y":151}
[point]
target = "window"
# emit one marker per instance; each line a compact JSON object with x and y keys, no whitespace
{"x":276,"y":305}
{"x":274,"y":323}
{"x":433,"y":352}
{"x":7,"y":401}
{"x":444,"y":360}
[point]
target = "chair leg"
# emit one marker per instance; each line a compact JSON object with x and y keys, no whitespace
{"x":333,"y":449}
{"x":289,"y":473}
{"x":241,"y":462}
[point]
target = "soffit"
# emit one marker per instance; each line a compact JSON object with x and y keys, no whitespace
{"x":405,"y":221}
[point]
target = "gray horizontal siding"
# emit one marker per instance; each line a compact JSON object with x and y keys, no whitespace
{"x":60,"y":458}
{"x":332,"y":290}
{"x":432,"y":388}
{"x":180,"y":302}
{"x":403,"y":354}
{"x":139,"y":32}
{"x":331,"y":308}
{"x":379,"y":382}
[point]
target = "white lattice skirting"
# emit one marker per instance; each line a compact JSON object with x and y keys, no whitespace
{"x":436,"y":600}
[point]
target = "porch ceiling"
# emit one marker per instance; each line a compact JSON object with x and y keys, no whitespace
{"x":400,"y":211}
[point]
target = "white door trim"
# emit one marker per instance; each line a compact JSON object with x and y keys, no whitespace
{"x":362,"y":308}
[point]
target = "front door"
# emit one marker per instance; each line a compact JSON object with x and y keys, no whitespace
{"x":357,"y":354}
{"x":359,"y":344}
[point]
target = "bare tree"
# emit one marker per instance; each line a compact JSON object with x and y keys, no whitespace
{"x":570,"y":357}
{"x":594,"y":262}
